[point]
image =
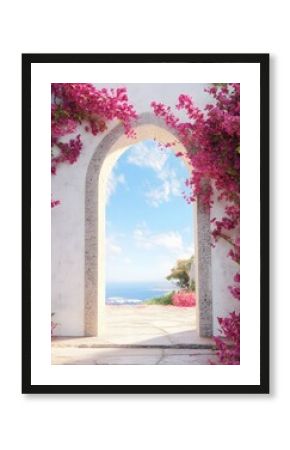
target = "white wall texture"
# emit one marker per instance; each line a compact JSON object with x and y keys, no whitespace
{"x":68,"y":221}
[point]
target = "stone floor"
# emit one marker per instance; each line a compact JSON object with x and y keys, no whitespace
{"x":143,"y":334}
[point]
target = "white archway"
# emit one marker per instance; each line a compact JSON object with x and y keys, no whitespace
{"x":104,"y":157}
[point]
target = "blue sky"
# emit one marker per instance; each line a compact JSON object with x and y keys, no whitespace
{"x":149,"y":225}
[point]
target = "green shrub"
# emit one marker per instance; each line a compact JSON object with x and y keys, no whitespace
{"x":180,"y":274}
{"x":163,"y":300}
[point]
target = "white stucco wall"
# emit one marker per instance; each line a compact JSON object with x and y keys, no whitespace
{"x":68,"y":222}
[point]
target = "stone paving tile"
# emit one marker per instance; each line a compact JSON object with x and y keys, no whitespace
{"x":128,"y":360}
{"x":142,"y":340}
{"x":177,"y":359}
{"x":130,"y":356}
{"x":152,"y":324}
{"x":88,"y":356}
{"x":137,"y":325}
{"x":186,"y":351}
{"x":147,"y":320}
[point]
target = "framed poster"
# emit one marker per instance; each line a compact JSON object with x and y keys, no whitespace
{"x":153,"y":251}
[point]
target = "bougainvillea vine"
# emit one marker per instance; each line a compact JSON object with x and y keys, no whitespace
{"x":75,"y":104}
{"x":212,"y":139}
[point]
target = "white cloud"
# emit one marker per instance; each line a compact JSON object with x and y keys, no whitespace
{"x":170,"y":187}
{"x":171,"y":241}
{"x":156,"y":159}
{"x":143,"y":156}
{"x":112,"y":183}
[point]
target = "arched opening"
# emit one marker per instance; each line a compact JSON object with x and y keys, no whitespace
{"x":104,"y":158}
{"x":149,"y":231}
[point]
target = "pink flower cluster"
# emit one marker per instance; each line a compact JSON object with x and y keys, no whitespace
{"x":228,"y":346}
{"x":54,"y":203}
{"x":183,"y":298}
{"x":234,"y":253}
{"x":212,"y":138}
{"x":75,"y":104}
{"x":68,"y":152}
{"x":235,"y":289}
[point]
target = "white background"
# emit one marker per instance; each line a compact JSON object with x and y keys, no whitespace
{"x":147,"y":422}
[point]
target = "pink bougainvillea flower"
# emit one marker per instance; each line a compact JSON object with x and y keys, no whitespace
{"x":75,"y":104}
{"x":184,"y":299}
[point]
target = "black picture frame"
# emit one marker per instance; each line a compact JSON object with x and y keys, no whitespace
{"x":263,"y":61}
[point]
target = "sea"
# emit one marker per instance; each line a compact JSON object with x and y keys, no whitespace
{"x":133,"y":293}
